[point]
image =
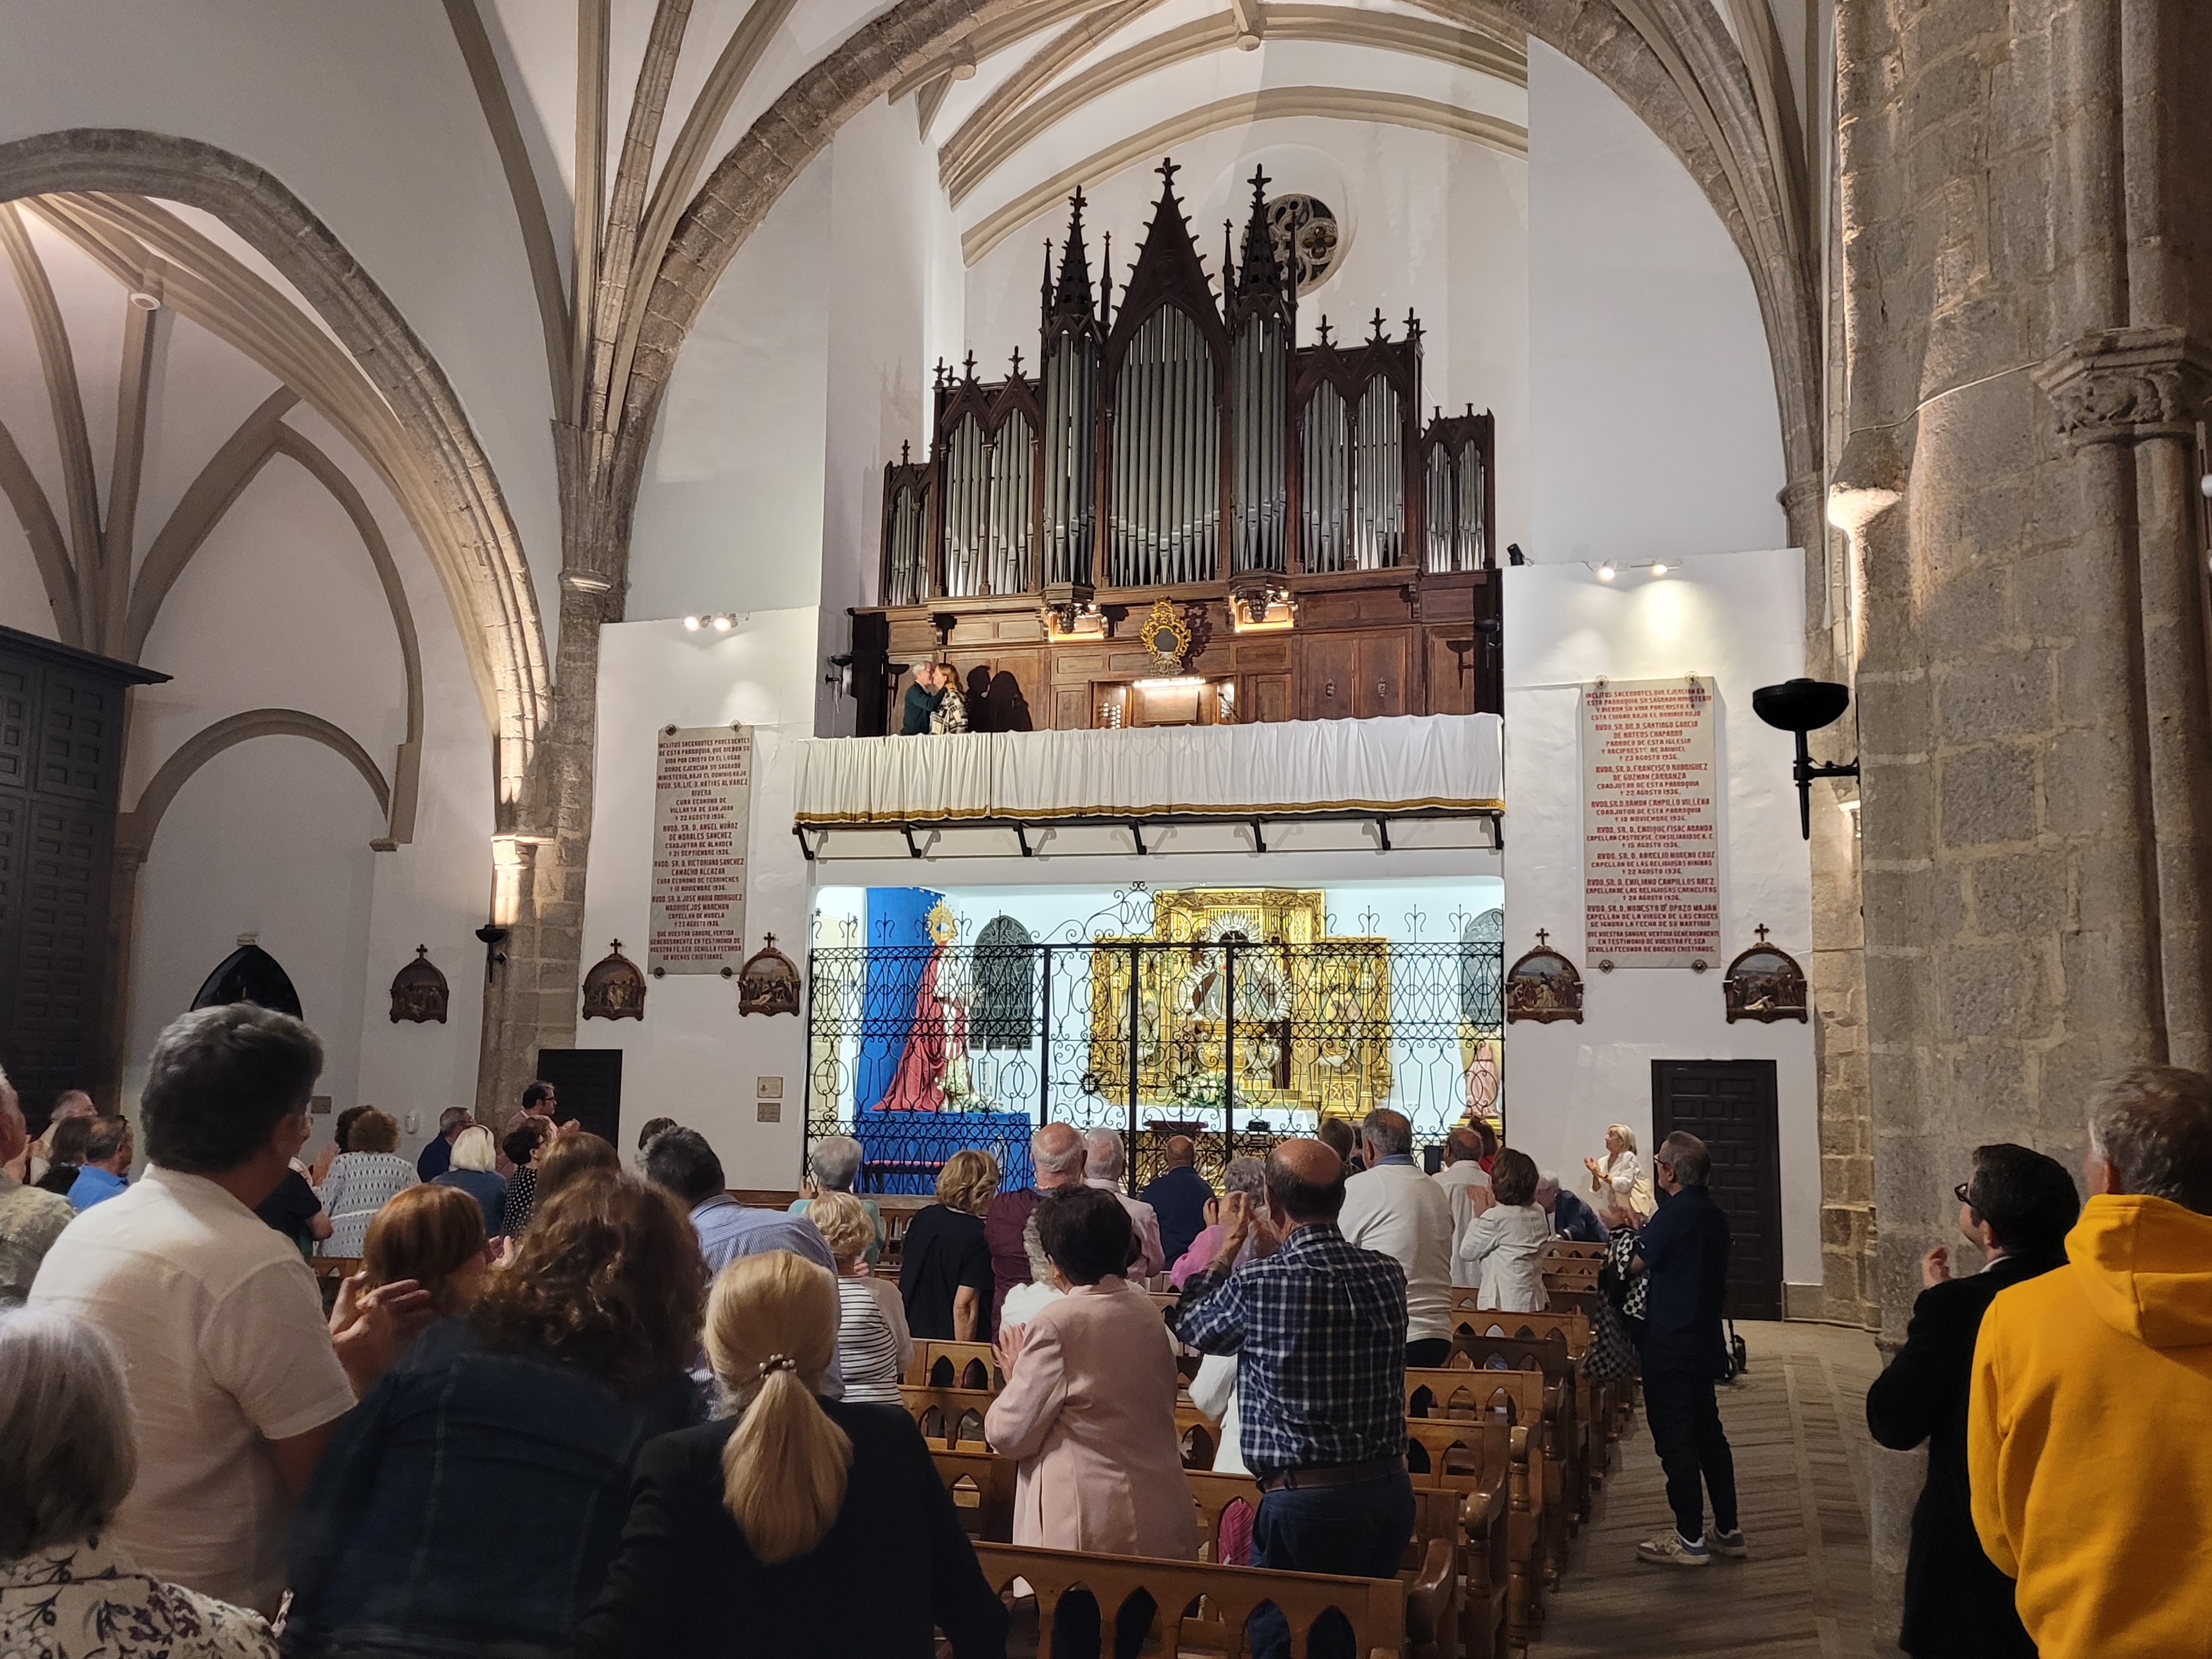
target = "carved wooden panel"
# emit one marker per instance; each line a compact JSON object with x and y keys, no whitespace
{"x":1005,"y":691}
{"x":1328,"y":671}
{"x":62,"y":717}
{"x":1454,"y":653}
{"x":79,"y":735}
{"x":1380,"y":669}
{"x":1071,"y":707}
{"x":60,"y":920}
{"x":1263,"y":654}
{"x":16,"y":685}
{"x":1267,"y":696}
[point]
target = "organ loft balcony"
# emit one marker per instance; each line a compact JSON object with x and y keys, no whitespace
{"x":1187,"y":518}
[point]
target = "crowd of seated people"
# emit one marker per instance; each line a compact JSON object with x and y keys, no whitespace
{"x":597,"y":1427}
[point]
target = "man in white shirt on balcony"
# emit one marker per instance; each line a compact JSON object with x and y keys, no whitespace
{"x":1394,"y":1207}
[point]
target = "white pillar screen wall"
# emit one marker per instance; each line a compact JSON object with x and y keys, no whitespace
{"x":1738,"y":619}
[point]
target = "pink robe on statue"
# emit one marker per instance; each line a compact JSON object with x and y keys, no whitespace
{"x":918,"y":1086}
{"x":1090,"y":1415}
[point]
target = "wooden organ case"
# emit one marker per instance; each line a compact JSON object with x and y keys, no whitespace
{"x":1187,"y":517}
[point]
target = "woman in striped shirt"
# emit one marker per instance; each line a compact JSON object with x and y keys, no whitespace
{"x":873,"y":1347}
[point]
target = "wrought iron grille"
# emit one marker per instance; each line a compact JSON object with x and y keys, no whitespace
{"x":920,"y":1050}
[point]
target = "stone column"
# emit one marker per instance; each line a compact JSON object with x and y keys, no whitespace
{"x":2026,"y":295}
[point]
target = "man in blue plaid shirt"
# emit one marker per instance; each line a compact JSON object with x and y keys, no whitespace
{"x":1318,"y":1327}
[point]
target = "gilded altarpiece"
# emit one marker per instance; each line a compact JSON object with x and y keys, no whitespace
{"x":1312,"y":1023}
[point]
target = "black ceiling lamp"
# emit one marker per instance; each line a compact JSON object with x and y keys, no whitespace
{"x":1803,"y":706}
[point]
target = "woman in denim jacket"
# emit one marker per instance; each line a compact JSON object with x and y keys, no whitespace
{"x":472,"y":1501}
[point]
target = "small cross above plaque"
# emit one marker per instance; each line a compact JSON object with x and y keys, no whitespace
{"x":1542,"y":938}
{"x":1761,"y":931}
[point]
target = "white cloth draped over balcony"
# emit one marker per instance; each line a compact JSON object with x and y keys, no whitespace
{"x":1406,"y":764}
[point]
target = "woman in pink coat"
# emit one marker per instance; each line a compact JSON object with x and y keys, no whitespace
{"x":1089,"y":1408}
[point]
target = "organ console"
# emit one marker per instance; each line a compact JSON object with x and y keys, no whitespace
{"x":1184,"y":458}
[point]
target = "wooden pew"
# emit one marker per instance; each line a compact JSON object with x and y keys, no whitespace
{"x":1526,"y":1398}
{"x":1213,"y":1494}
{"x":1589,"y":1409}
{"x":982,"y":1487}
{"x":1570,"y":1327}
{"x":332,"y":1271}
{"x":1205,"y":1607}
{"x":954,"y":1365}
{"x":1489,"y":1465}
{"x":950,"y":1418}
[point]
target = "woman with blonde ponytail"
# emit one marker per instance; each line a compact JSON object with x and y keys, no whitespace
{"x":749,"y":1535}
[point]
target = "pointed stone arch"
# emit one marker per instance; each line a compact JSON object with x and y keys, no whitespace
{"x":1673,"y":62}
{"x":443,"y":478}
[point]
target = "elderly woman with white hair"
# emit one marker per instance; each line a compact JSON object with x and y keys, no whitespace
{"x":1105,"y":1161}
{"x":833,"y":1164}
{"x":68,"y":1456}
{"x":1620,"y":1179}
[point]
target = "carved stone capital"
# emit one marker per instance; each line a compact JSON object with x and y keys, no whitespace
{"x":2122,"y":384}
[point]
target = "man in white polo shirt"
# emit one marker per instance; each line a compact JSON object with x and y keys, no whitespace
{"x":235,"y":1382}
{"x":1392,"y":1206}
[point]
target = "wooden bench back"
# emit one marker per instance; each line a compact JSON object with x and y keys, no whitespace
{"x":983,"y":1488}
{"x":947,"y":1417}
{"x":1546,"y":1354}
{"x":1572,"y":1328}
{"x":1526,"y":1397}
{"x":1464,"y":1453}
{"x":1572,"y":1249}
{"x":1214,"y":1494}
{"x":1202,"y":1605}
{"x":954,"y":1365}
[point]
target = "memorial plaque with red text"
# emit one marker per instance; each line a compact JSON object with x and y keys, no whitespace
{"x":1651,"y":894}
{"x":701,"y":825}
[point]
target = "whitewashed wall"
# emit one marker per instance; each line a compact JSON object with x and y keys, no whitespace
{"x":365,"y":113}
{"x":1740,"y":618}
{"x":692,"y":1057}
{"x":1654,"y":430}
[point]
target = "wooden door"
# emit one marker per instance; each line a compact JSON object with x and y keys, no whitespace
{"x":1730,"y":1104}
{"x":1328,"y":674}
{"x":586,"y":1088}
{"x":1380,"y":681}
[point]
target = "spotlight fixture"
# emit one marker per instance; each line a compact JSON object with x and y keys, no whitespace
{"x":725,"y":623}
{"x":718,"y":622}
{"x":1800,"y":705}
{"x":1657,"y":569}
{"x":1604,"y":572}
{"x":691,"y":623}
{"x":145,"y":301}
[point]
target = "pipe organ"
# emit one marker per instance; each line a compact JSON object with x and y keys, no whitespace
{"x":1184,"y":449}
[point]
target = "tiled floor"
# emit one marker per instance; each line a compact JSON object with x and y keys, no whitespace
{"x":1797,"y":1422}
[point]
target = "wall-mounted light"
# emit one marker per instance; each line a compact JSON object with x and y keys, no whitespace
{"x":1611,"y":570}
{"x":1800,"y":705}
{"x":493,"y":936}
{"x":720,"y":622}
{"x":145,"y":301}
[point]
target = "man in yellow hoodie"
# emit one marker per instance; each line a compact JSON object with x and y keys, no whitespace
{"x":2087,"y":1449}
